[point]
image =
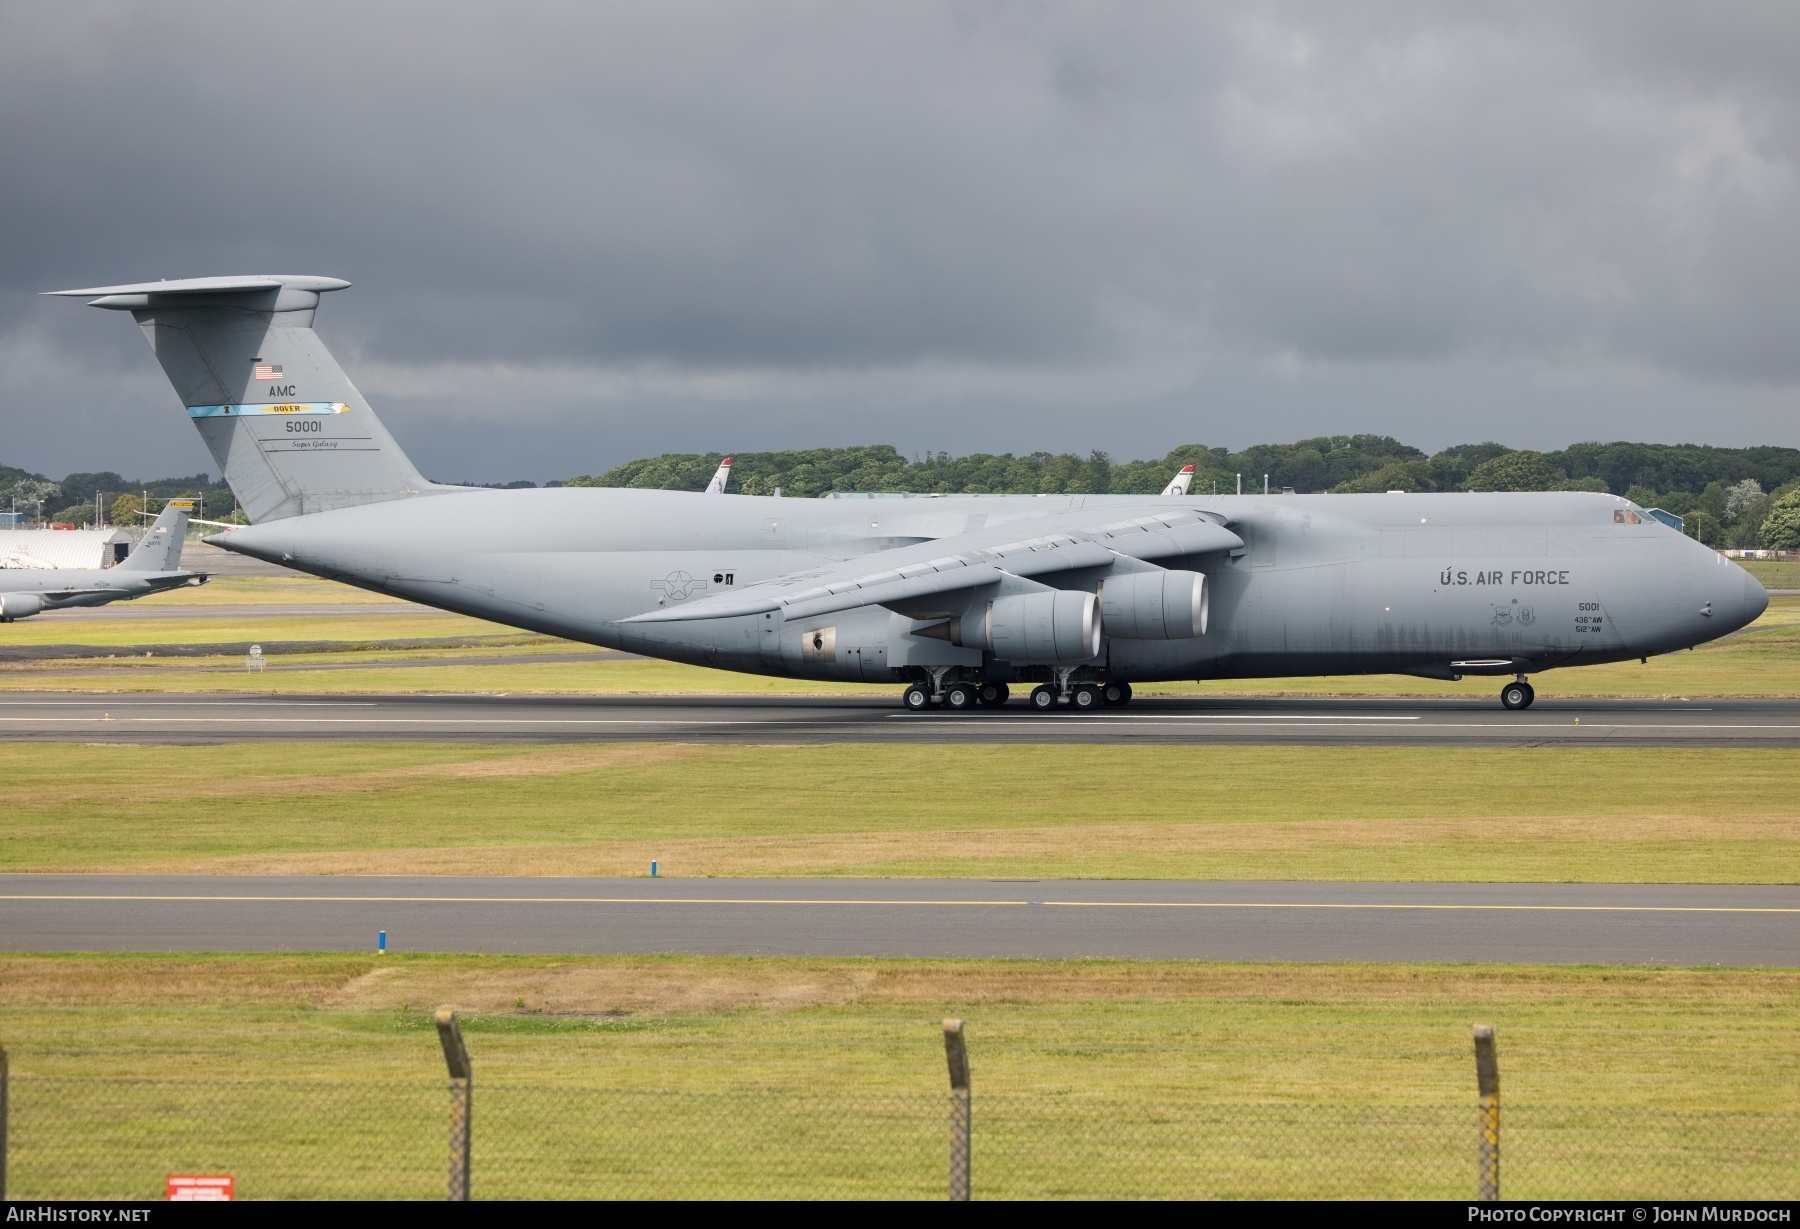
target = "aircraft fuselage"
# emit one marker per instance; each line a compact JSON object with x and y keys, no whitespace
{"x":1431,"y":584}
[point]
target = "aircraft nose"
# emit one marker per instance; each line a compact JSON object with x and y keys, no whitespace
{"x":1756,"y":598}
{"x":1739,"y":600}
{"x":1724,"y":595}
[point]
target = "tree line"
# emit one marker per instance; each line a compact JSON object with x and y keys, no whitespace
{"x":1727,"y":496}
{"x":39,"y":500}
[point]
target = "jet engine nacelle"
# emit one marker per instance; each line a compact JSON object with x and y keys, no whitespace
{"x":19,"y":606}
{"x":1039,"y":627}
{"x":1167,"y":605}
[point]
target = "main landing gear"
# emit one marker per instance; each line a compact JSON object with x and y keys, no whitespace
{"x":1082,"y":697}
{"x":957,"y":697}
{"x":965,"y":697}
{"x":1517,"y":694}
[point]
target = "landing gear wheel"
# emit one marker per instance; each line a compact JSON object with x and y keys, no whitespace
{"x":1517,"y":696}
{"x":916,"y":698}
{"x":1115,"y":695}
{"x":1085,"y":698}
{"x":994,"y":695}
{"x":961,"y":698}
{"x":1043,"y":698}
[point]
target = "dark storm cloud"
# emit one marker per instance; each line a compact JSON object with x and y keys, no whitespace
{"x":947,"y":225}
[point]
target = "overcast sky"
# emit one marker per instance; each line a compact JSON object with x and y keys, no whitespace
{"x":582,"y":232}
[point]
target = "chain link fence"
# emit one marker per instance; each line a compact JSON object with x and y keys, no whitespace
{"x":87,"y":1138}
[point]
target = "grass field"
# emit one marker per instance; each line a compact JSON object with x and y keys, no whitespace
{"x":272,"y":591}
{"x":1551,"y":814}
{"x":319,"y":1075}
{"x":1773,"y":573}
{"x":1313,"y":1065}
{"x":1225,"y":1032}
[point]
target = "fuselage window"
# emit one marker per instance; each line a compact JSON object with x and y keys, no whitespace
{"x":1625,"y":516}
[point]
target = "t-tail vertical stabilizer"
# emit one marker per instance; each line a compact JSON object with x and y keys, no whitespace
{"x":289,"y":431}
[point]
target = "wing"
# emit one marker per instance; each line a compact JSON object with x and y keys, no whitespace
{"x":964,"y":561}
{"x":73,"y":592}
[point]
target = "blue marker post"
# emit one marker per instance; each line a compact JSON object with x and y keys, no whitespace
{"x":381,"y":943}
{"x":653,"y":868}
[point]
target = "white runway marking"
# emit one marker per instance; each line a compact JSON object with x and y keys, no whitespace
{"x":1128,"y":719}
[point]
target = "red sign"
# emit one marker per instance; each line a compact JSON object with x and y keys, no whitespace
{"x":185,"y":1187}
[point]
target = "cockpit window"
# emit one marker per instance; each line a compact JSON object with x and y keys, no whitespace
{"x":1626,"y":516}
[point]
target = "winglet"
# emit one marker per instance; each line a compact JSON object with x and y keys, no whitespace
{"x":720,"y":478}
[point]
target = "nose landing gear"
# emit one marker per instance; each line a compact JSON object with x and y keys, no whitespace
{"x":1517,"y":695}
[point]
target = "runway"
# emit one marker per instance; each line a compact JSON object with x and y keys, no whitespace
{"x":1174,"y":920}
{"x":211,"y":719}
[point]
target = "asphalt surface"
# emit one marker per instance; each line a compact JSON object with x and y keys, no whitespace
{"x":209,"y":719}
{"x":1532,"y":923}
{"x":217,"y":561}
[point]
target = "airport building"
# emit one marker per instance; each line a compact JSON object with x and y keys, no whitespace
{"x":64,"y":548}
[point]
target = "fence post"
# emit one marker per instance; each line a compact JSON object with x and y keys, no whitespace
{"x":957,"y":1054}
{"x":1487,"y":1142}
{"x":456,"y":1057}
{"x":5,"y":1111}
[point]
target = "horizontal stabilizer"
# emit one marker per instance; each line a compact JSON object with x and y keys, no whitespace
{"x":138,"y":295}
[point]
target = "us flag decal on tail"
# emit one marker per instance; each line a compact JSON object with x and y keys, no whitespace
{"x":268,"y":371}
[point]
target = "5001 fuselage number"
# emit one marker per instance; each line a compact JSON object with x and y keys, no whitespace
{"x":302,"y":426}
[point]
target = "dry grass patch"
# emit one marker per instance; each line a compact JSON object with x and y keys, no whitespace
{"x":709,"y":985}
{"x":273,"y":591}
{"x":541,"y":762}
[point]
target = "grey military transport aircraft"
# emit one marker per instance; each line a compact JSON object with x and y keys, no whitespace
{"x":959,"y":598}
{"x":152,"y":567}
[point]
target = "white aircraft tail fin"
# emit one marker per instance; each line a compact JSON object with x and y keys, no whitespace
{"x":720,"y":478}
{"x":289,"y":431}
{"x":159,"y":550}
{"x":1179,"y":484}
